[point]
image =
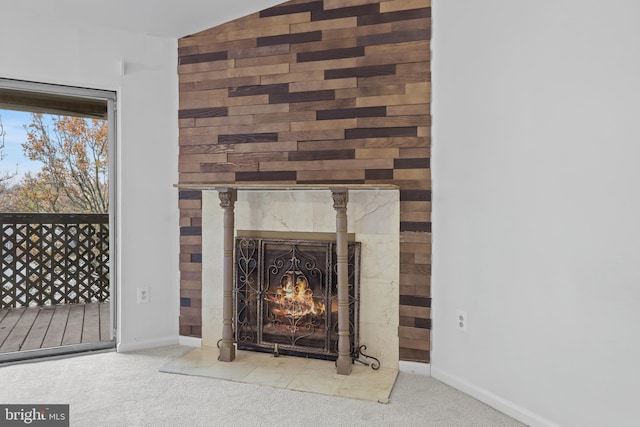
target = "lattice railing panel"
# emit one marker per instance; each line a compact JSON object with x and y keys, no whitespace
{"x":49,"y":259}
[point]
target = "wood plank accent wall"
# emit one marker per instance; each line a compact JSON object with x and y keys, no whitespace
{"x":333,"y":91}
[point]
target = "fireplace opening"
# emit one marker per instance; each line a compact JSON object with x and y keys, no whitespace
{"x":286,"y":299}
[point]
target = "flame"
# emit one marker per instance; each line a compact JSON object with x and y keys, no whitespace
{"x":295,"y":298}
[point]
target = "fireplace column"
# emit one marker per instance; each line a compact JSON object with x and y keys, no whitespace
{"x":340,"y":199}
{"x":228,"y":198}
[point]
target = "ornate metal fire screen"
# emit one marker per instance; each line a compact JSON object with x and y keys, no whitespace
{"x":285,"y":296}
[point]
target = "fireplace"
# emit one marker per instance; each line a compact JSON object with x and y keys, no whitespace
{"x":307,"y":213}
{"x":286,"y":297}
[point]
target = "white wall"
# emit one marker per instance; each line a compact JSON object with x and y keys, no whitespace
{"x":39,"y":48}
{"x":536,"y":214}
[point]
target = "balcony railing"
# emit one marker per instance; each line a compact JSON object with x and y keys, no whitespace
{"x":51,"y":259}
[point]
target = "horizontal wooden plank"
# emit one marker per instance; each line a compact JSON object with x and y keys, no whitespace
{"x":245,"y":165}
{"x":414,"y":344}
{"x":323,"y":84}
{"x":258,"y":89}
{"x":199,"y":178}
{"x":298,"y":116}
{"x":378,"y":132}
{"x":311,"y":66}
{"x":203,"y":57}
{"x":378,"y":174}
{"x":314,"y":95}
{"x":346,"y":175}
{"x":220,"y":83}
{"x":409,"y":153}
{"x":323,"y":105}
{"x":256,"y":52}
{"x":260,"y":70}
{"x":257,"y":111}
{"x":334,"y":124}
{"x":288,"y":9}
{"x":266,"y":147}
{"x":317,"y":135}
{"x":327,"y":165}
{"x":399,"y":15}
{"x":413,"y":184}
{"x":423,"y":175}
{"x":203,"y":112}
{"x":232,"y":129}
{"x":415,"y":217}
{"x":324,"y":45}
{"x":349,"y":22}
{"x":414,"y":163}
{"x":395,"y":5}
{"x":377,"y":153}
{"x":413,"y":333}
{"x":342,"y":113}
{"x":258,"y":157}
{"x":335,"y":144}
{"x":354,"y":32}
{"x":207,"y":149}
{"x":413,"y":311}
{"x":334,"y":4}
{"x":343,"y":12}
{"x":247,"y":137}
{"x":263,"y":60}
{"x":371,"y":91}
{"x":267,"y":176}
{"x":401,"y":53}
{"x":370,"y":71}
{"x":282,"y":39}
{"x":409,"y":110}
{"x":325,"y":55}
{"x":321,"y":155}
{"x":201,"y":67}
{"x":395,"y":121}
{"x":404,"y":99}
{"x":293,"y":77}
{"x":394,"y":37}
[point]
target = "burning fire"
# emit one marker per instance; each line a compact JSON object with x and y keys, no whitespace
{"x":295,"y":298}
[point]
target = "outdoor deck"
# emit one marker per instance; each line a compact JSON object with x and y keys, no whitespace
{"x":31,"y":328}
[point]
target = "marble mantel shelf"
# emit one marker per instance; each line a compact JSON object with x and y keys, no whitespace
{"x":289,"y":187}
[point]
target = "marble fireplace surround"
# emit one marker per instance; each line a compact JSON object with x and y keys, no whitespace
{"x":373,"y":215}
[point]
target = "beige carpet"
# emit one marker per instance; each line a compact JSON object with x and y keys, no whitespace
{"x":127,"y":389}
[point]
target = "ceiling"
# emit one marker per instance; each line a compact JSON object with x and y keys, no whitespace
{"x":162,"y":18}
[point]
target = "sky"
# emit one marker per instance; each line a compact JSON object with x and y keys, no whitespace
{"x":13,"y":122}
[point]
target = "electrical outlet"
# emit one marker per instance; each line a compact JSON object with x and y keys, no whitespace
{"x":143,"y":295}
{"x":462,"y":320}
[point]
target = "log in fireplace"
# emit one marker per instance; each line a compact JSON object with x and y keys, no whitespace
{"x":286,"y":296}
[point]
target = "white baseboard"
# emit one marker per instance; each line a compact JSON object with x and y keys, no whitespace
{"x":503,"y":405}
{"x":190,"y":341}
{"x":415,"y":368}
{"x":144,"y":345}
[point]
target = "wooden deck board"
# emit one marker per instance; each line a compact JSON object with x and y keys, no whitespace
{"x":55,"y":333}
{"x":105,"y":322}
{"x":52,"y":326}
{"x":75,"y":323}
{"x":39,"y":329}
{"x":19,"y":332}
{"x":9,"y":322}
{"x":91,"y":326}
